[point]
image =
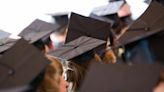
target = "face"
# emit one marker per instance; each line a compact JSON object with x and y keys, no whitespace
{"x":124,"y":11}
{"x":63,"y":85}
{"x":159,"y":88}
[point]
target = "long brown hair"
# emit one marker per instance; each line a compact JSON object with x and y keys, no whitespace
{"x":51,"y":79}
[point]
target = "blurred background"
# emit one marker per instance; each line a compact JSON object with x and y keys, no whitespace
{"x":17,"y":14}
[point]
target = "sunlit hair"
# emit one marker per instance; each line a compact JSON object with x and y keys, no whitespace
{"x":75,"y":75}
{"x":109,"y":57}
{"x":52,"y":76}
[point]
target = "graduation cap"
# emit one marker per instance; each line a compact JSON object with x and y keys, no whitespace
{"x":20,"y":65}
{"x":108,"y":9}
{"x":6,"y":43}
{"x":148,"y":26}
{"x":60,"y":18}
{"x":4,"y":34}
{"x":76,"y":47}
{"x":38,"y":30}
{"x":101,"y":18}
{"x":121,"y":78}
{"x":114,"y":17}
{"x":85,"y":26}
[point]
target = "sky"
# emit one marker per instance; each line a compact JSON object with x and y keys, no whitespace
{"x":17,"y":14}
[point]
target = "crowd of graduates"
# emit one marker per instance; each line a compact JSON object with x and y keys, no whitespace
{"x":106,"y":51}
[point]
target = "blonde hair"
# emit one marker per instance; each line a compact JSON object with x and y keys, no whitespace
{"x":51,"y":79}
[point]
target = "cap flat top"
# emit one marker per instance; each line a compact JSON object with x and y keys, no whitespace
{"x":120,"y":78}
{"x":108,"y":9}
{"x":38,"y":29}
{"x":85,"y":26}
{"x":24,"y":63}
{"x":76,"y":47}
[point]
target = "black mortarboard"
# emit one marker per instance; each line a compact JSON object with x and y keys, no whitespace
{"x":101,"y":18}
{"x":109,"y":9}
{"x":4,"y":34}
{"x":120,"y":78}
{"x":60,"y":18}
{"x":6,"y":43}
{"x":21,"y":64}
{"x":148,"y":24}
{"x":77,"y":47}
{"x":85,"y":26}
{"x":143,"y":41}
{"x":37,"y":30}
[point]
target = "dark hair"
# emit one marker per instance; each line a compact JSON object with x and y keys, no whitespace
{"x":39,"y":45}
{"x":47,"y":42}
{"x":79,"y":67}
